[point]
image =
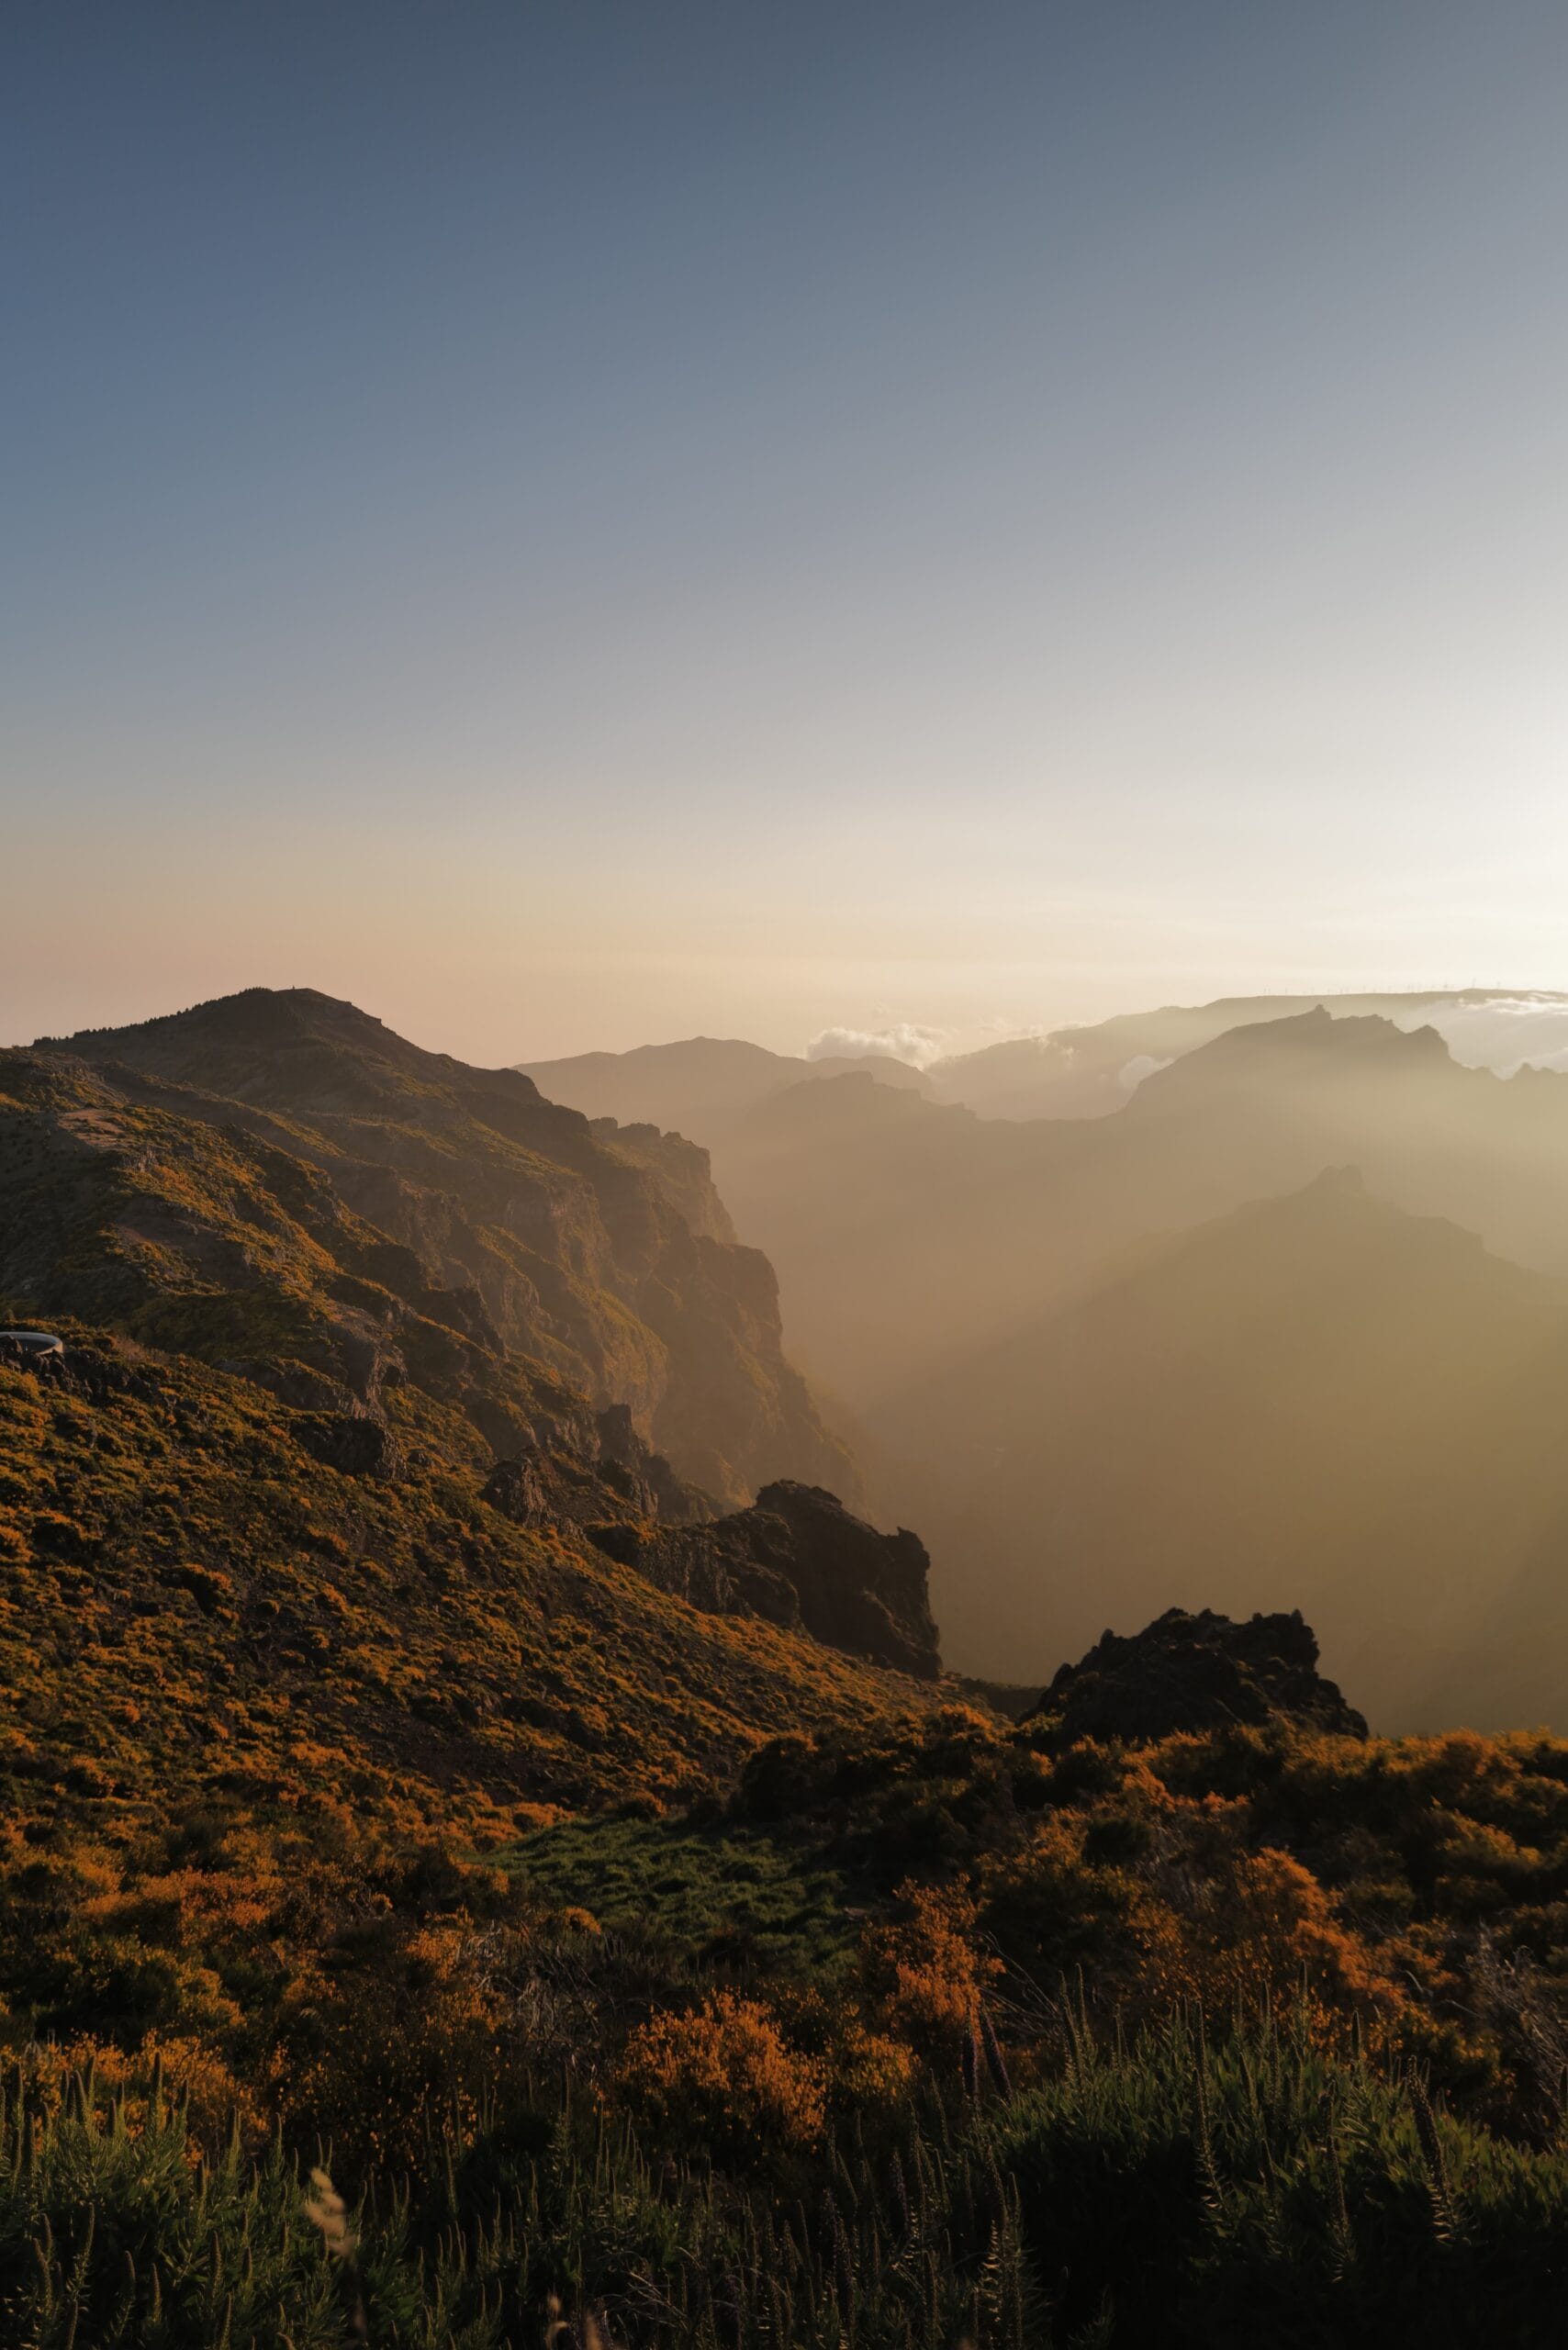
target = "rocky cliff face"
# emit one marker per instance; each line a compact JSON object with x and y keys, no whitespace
{"x":681,"y":1169}
{"x":1193,"y":1672}
{"x":606,"y":1264}
{"x":798,"y":1557}
{"x":171,"y":1250}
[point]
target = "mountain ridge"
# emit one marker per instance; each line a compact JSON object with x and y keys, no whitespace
{"x":576,"y":1245}
{"x":698,"y":1086}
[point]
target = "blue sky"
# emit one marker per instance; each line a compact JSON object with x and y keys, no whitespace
{"x":579,"y":523}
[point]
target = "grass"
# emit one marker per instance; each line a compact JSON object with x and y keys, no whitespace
{"x":1189,"y":2191}
{"x":773,"y":1898}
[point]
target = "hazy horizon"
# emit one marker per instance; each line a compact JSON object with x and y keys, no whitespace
{"x":572,"y":528}
{"x":1502,"y":1030}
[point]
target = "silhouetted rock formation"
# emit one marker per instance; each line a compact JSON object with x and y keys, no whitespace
{"x":1193,"y":1672}
{"x":797,"y":1557}
{"x":698,"y":1088}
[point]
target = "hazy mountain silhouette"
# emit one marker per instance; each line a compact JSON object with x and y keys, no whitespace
{"x":905,"y":1233}
{"x":958,"y":1280}
{"x":699,"y":1087}
{"x":1088,"y":1072}
{"x":1318,"y":1399}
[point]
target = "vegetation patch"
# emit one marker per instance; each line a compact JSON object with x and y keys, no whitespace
{"x":776,"y":1900}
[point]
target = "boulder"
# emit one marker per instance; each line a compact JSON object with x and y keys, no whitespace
{"x":355,"y":1445}
{"x":1193,"y":1672}
{"x":517,"y":1489}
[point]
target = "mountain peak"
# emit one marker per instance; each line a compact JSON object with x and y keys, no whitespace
{"x":1287,"y":1049}
{"x":606,"y":1259}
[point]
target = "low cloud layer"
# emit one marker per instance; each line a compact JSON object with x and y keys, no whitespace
{"x":1505,"y":1032}
{"x":919,"y":1046}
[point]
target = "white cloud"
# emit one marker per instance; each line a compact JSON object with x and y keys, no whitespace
{"x":1503,"y":1033}
{"x":1131,"y":1075}
{"x":904,"y":1043}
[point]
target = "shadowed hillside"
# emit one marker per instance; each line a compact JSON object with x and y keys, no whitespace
{"x":196,"y":1606}
{"x":608,"y":1265}
{"x":293,"y":1484}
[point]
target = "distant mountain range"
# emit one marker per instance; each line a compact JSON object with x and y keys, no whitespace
{"x":700,"y":1086}
{"x":1110,"y":1363}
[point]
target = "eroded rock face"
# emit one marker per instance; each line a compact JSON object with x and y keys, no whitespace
{"x":592,"y":1471}
{"x":518,"y":1490}
{"x":696,"y":1563}
{"x":797,"y":1557}
{"x":1193,"y":1672}
{"x":351,"y":1442}
{"x":859,"y":1590}
{"x":646,"y":1476}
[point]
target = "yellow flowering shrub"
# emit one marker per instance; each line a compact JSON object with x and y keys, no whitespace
{"x":723,"y":2076}
{"x":923,"y":1971}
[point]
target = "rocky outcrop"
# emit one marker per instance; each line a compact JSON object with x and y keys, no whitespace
{"x":681,"y":1168}
{"x":351,"y":1442}
{"x":798,"y":1557}
{"x":696,"y":1563}
{"x":518,"y":1489}
{"x":1193,"y":1672}
{"x":645,"y":1477}
{"x":592,"y":1470}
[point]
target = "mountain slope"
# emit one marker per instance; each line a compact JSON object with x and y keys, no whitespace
{"x":197,"y":1608}
{"x":1318,"y":1400}
{"x":290,"y":1523}
{"x":606,"y":1264}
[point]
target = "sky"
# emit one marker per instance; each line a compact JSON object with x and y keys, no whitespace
{"x":581,"y":523}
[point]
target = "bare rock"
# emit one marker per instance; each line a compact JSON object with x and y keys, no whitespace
{"x":1193,"y":1672}
{"x":349,"y":1442}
